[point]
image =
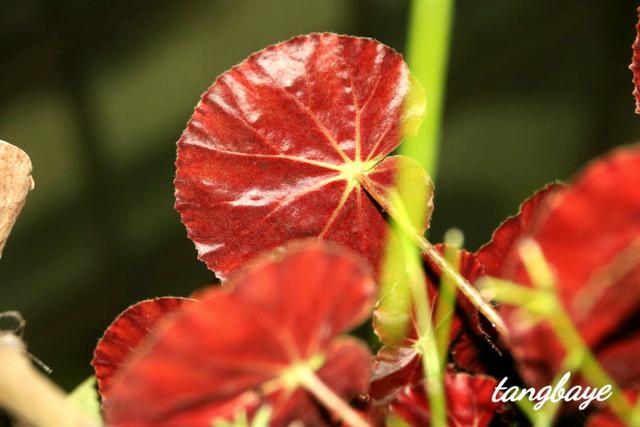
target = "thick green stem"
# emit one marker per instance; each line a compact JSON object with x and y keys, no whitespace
{"x":428,"y":55}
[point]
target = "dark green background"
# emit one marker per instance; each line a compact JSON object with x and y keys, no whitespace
{"x":98,"y":92}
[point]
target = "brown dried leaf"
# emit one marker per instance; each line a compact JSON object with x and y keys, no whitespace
{"x":15,"y":184}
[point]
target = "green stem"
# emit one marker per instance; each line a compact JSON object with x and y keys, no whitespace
{"x":400,"y":215}
{"x":542,"y":302}
{"x":426,"y":343}
{"x":445,"y":307}
{"x":541,"y":275}
{"x":428,"y":53}
{"x":590,"y":368}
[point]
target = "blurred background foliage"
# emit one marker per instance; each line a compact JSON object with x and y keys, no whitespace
{"x":98,"y":93}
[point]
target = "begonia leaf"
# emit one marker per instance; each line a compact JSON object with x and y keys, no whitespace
{"x":492,"y":255}
{"x":291,"y":143}
{"x":589,"y":237}
{"x":125,"y":334}
{"x":252,"y":344}
{"x":468,"y":397}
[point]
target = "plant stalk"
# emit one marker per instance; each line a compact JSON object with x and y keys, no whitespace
{"x":463,"y":285}
{"x":333,"y":402}
{"x":30,"y":396}
{"x":426,"y":344}
{"x":430,"y":23}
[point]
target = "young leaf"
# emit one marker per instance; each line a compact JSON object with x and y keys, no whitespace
{"x":273,"y":339}
{"x":125,"y":334}
{"x":291,"y":143}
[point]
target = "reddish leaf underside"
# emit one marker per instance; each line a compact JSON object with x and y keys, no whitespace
{"x":290,"y":144}
{"x":468,"y":398}
{"x":493,"y":255}
{"x":241,"y":349}
{"x":125,"y":334}
{"x":590,"y":237}
{"x":635,"y":65}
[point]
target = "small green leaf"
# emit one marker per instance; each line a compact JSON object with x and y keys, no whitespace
{"x":410,"y":201}
{"x":85,"y":396}
{"x":395,"y":421}
{"x":260,"y":419}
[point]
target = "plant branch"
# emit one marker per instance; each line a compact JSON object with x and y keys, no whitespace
{"x":29,"y":395}
{"x":333,"y":402}
{"x":463,"y":285}
{"x":426,"y":343}
{"x":397,"y":209}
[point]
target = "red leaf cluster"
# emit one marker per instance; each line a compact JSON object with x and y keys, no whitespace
{"x":292,"y":143}
{"x":589,"y":233}
{"x":238,"y":349}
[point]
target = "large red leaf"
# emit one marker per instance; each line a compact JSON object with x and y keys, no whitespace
{"x":493,"y":255}
{"x":240,"y":349}
{"x":126,"y":333}
{"x":590,"y":238}
{"x":291,"y":143}
{"x":468,"y":398}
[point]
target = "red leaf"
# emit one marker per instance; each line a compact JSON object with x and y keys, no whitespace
{"x":290,"y":144}
{"x":492,"y":256}
{"x":590,"y":238}
{"x":125,"y":334}
{"x":635,"y":66}
{"x":243,"y":348}
{"x":393,"y":369}
{"x":468,"y":398}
